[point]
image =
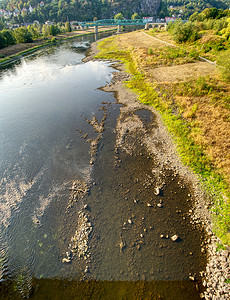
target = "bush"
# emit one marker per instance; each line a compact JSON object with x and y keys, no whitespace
{"x":184,"y":32}
{"x":9,"y":37}
{"x":224,"y":63}
{"x":150,"y":51}
{"x":22,"y":35}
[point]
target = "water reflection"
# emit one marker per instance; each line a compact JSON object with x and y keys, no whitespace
{"x":43,"y":101}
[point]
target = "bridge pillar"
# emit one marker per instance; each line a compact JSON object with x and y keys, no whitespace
{"x":118,"y":28}
{"x":146,"y":26}
{"x":96,"y":29}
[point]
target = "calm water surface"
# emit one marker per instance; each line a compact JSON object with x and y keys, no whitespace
{"x":46,"y":103}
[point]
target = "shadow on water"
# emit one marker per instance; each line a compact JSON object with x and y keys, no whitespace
{"x":51,"y":289}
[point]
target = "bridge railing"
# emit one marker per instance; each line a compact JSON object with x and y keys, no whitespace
{"x":110,"y":22}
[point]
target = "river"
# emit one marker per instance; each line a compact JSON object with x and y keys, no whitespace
{"x":80,"y":218}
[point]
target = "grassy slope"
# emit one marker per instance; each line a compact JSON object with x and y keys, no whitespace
{"x":179,"y":116}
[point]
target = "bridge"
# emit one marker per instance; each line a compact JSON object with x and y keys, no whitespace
{"x":119,"y":23}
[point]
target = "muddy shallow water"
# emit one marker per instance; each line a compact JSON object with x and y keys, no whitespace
{"x":83,"y":215}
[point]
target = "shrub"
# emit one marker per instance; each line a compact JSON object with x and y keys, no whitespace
{"x":150,"y":51}
{"x":22,"y":35}
{"x":184,"y":32}
{"x":9,"y":37}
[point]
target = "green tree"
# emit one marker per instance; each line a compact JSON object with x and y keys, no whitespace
{"x":67,"y":27}
{"x":184,"y":32}
{"x":119,"y":16}
{"x":22,"y":35}
{"x":135,"y":16}
{"x":34,"y":31}
{"x":54,"y":30}
{"x":2,"y":41}
{"x":9,"y":37}
{"x":46,"y":30}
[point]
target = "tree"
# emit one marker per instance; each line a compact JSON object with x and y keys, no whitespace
{"x":34,"y":31}
{"x":54,"y":30}
{"x":135,"y":16}
{"x":67,"y":27}
{"x":184,"y":32}
{"x":22,"y":35}
{"x":2,"y":41}
{"x":8,"y":36}
{"x":46,"y":30}
{"x":119,"y":17}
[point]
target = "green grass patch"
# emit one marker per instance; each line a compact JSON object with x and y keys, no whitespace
{"x":191,"y":153}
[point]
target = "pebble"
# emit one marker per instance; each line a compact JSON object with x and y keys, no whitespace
{"x":157,"y":191}
{"x":66,"y":260}
{"x":174,"y":238}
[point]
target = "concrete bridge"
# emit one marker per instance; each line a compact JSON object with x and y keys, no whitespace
{"x":119,"y":23}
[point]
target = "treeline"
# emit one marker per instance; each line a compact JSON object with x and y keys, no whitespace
{"x":186,"y":8}
{"x":85,"y":10}
{"x":64,"y":10}
{"x":30,"y":33}
{"x":217,"y":20}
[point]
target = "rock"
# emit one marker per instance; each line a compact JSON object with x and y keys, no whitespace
{"x":192,"y":278}
{"x":141,"y":235}
{"x":157,"y":191}
{"x":130,"y":221}
{"x":66,"y":260}
{"x":86,"y":206}
{"x":86,"y":269}
{"x":159,"y":205}
{"x":149,"y":205}
{"x":122,"y":245}
{"x":161,"y":236}
{"x":174,"y":238}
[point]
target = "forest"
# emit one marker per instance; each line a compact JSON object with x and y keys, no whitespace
{"x":27,"y":11}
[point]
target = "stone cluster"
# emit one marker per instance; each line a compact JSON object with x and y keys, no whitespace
{"x":217,"y":272}
{"x":79,"y":242}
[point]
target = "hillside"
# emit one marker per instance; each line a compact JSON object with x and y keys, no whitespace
{"x":62,"y":10}
{"x":185,"y":8}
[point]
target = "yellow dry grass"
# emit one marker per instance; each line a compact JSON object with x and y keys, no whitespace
{"x":182,"y":72}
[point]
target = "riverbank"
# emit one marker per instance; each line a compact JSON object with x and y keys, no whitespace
{"x":133,"y":50}
{"x":17,"y":51}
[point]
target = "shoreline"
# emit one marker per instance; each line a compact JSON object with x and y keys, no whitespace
{"x":30,"y":48}
{"x":217,"y":269}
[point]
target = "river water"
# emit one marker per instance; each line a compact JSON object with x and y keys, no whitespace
{"x":73,"y":216}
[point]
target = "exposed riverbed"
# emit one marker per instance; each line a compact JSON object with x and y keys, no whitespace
{"x":94,"y":201}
